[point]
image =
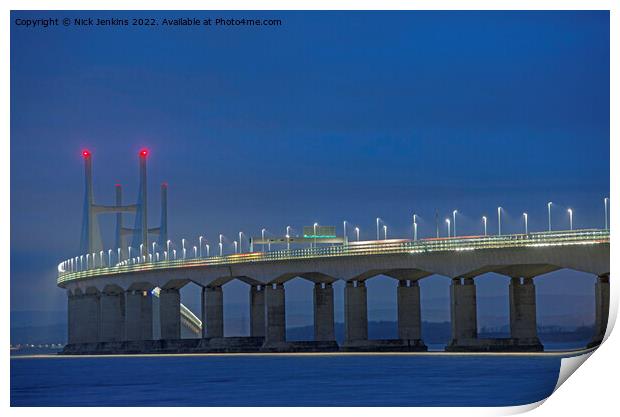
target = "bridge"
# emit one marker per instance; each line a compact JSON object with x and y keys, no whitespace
{"x":110,"y":293}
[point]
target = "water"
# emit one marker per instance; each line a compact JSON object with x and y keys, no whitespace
{"x":284,"y":380}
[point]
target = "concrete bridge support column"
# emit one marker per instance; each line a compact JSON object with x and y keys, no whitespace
{"x":275,"y":316}
{"x":170,"y":314}
{"x":463,"y":311}
{"x":87,"y":318}
{"x":409,"y":315}
{"x":257,"y":311}
{"x":324,"y":312}
{"x":213,"y":312}
{"x":72,"y":330}
{"x":355,"y":311}
{"x":601,"y":316}
{"x":522,"y":293}
{"x":138,"y":315}
{"x":112,"y":305}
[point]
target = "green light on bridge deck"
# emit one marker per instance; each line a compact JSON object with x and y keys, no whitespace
{"x":319,"y":236}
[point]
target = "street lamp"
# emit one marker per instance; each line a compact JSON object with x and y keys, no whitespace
{"x":168,"y":242}
{"x":109,"y":258}
{"x":314,"y":228}
{"x":415,"y":227}
{"x":384,"y":232}
{"x":236,"y":246}
{"x":357,"y":233}
{"x":549,"y":204}
{"x":344,"y":231}
{"x":207,"y":246}
{"x":454,"y":222}
{"x":240,"y":236}
{"x":448,"y":223}
{"x":129,"y":252}
{"x":183,"y":245}
{"x":200,"y":244}
{"x":605,"y":201}
{"x":288,"y":236}
{"x":174,"y":254}
{"x":499,"y":221}
{"x":195,"y":252}
{"x":141,"y":248}
{"x":378,"y":220}
{"x":153,"y":247}
{"x":100,"y":259}
{"x":262,"y":234}
{"x":525,"y":221}
{"x":118,"y":254}
{"x":570,"y":218}
{"x":165,"y":255}
{"x":484,"y":221}
{"x":221,"y":246}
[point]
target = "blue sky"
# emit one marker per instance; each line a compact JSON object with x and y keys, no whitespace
{"x":332,"y":116}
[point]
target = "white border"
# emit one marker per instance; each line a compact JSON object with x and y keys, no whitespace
{"x":591,"y":393}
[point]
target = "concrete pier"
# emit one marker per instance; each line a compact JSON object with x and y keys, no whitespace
{"x":324,"y":312}
{"x":463,"y":311}
{"x":275,"y":316}
{"x":112,"y":328}
{"x":355,"y":312}
{"x":72,"y":335}
{"x":87,"y":318}
{"x":213,"y":311}
{"x":522,"y":294}
{"x":257,"y":311}
{"x":138,"y":315}
{"x":601,"y":314}
{"x":409,"y":314}
{"x":170,"y":314}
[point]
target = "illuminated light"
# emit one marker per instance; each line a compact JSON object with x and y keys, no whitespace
{"x":144,"y":152}
{"x":164,"y":184}
{"x":86,"y":154}
{"x":117,"y":185}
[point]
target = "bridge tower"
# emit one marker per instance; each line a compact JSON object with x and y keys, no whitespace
{"x":91,"y":237}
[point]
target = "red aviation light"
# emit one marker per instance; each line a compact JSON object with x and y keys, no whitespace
{"x":86,"y":154}
{"x":144,"y":152}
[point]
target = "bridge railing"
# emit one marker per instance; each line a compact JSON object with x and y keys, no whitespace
{"x":67,"y":270}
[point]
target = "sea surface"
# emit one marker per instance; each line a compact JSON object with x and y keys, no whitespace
{"x":284,"y":380}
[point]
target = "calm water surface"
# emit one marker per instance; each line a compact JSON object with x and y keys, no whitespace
{"x":338,"y":380}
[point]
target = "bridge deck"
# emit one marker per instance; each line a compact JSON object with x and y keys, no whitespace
{"x":67,"y":272}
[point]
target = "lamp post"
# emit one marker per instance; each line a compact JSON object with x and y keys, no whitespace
{"x":118,"y":255}
{"x":168,"y":242}
{"x":183,"y":245}
{"x":415,"y":227}
{"x":549,"y":204}
{"x":484,"y":222}
{"x":174,"y":254}
{"x":200,"y":244}
{"x":570,"y":218}
{"x":499,"y":221}
{"x":314,"y":231}
{"x":384,"y":232}
{"x":240,"y":236}
{"x":605,"y":201}
{"x":288,"y":236}
{"x":195,"y":252}
{"x":165,"y":255}
{"x":262,"y":234}
{"x":207,"y":246}
{"x":141,"y":249}
{"x":378,"y":220}
{"x":109,"y":258}
{"x":129,"y":252}
{"x":448,"y":223}
{"x":221,"y":246}
{"x":357,"y":233}
{"x":153,"y":248}
{"x":344,"y":232}
{"x":454,"y":222}
{"x":236,"y":246}
{"x":525,"y":221}
{"x":100,"y":259}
